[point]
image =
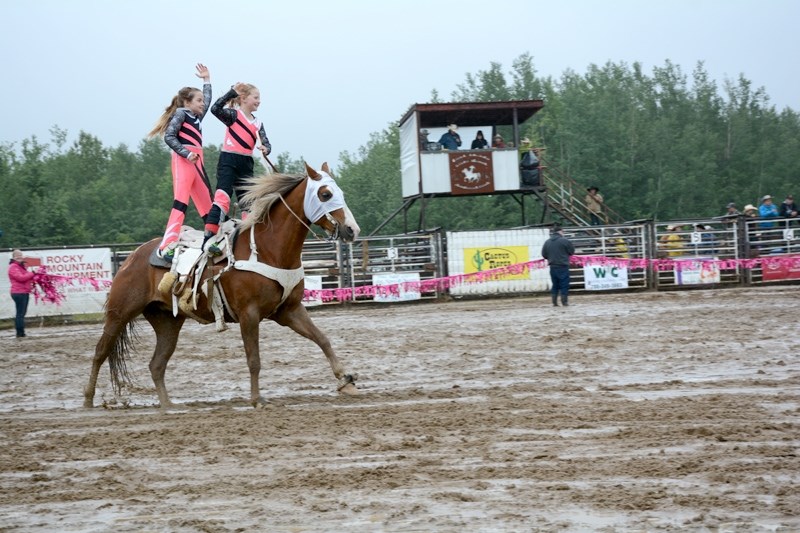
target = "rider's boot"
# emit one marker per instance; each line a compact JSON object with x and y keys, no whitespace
{"x":209,"y":245}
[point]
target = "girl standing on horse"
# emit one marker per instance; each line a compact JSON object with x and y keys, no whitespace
{"x":180,"y":126}
{"x":236,"y":159}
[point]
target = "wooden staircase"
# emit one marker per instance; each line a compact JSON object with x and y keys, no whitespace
{"x":561,"y":194}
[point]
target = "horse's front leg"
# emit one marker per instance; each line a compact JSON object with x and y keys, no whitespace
{"x":248,"y":325}
{"x":298,"y":319}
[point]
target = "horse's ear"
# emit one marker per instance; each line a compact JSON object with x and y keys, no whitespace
{"x":313,"y":174}
{"x":325,"y":168}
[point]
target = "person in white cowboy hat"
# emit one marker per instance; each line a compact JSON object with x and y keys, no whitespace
{"x":450,"y":140}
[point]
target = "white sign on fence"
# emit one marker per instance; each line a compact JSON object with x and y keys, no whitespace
{"x":79,"y":298}
{"x":604,"y":277}
{"x":312,"y":283}
{"x":698,"y":272}
{"x":393,"y":278}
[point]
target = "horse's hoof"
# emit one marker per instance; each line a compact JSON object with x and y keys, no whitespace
{"x":261,"y":403}
{"x":349,"y":389}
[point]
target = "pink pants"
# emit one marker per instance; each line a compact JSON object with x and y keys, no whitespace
{"x":187,"y":182}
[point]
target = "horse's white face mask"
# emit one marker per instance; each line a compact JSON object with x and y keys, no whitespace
{"x":315,"y":208}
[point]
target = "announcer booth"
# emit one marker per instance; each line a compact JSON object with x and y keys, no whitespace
{"x":428,"y":171}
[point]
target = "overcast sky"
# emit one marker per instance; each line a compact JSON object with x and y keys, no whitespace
{"x":333,"y":72}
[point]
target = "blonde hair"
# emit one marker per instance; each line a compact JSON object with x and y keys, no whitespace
{"x":244,"y":90}
{"x":179,"y":100}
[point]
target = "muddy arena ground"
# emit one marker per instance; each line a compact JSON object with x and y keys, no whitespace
{"x":666,"y":411}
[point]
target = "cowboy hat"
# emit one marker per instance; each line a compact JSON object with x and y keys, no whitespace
{"x":452,"y":127}
{"x":593,"y":188}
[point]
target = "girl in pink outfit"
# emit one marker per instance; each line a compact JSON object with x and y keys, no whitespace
{"x":21,"y":286}
{"x":180,"y":126}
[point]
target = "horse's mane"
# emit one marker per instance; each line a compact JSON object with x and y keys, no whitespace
{"x":261,"y":192}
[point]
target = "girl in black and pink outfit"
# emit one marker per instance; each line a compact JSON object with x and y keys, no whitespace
{"x":180,"y":126}
{"x":236,"y":159}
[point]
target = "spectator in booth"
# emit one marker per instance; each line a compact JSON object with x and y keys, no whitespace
{"x":450,"y":140}
{"x":767,"y":210}
{"x":594,"y":204}
{"x":525,"y":146}
{"x":423,"y":139}
{"x":498,"y":141}
{"x":788,"y":207}
{"x":480,"y":142}
{"x":529,"y":164}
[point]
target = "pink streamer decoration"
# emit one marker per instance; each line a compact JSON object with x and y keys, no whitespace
{"x":445,"y":283}
{"x":49,"y":288}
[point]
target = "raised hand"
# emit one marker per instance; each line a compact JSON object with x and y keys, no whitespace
{"x":202,"y":72}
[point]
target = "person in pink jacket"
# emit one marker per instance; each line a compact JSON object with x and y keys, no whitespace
{"x":21,"y":286}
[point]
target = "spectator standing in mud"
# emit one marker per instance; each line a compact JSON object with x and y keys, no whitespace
{"x":557,"y":250}
{"x":21,"y":286}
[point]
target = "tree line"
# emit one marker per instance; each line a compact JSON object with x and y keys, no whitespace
{"x":663,"y":145}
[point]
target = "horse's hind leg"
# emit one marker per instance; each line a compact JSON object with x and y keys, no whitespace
{"x":167,"y":330}
{"x":114,"y":338}
{"x":298,"y":319}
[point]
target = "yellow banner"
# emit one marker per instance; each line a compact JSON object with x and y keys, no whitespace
{"x":483,"y":259}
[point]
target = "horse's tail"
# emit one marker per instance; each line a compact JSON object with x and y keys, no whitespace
{"x":117,"y":358}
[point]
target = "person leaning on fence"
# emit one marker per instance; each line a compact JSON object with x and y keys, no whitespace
{"x":788,"y":207}
{"x":753,"y":236}
{"x":672,"y":241}
{"x":731,"y":210}
{"x":557,"y":250}
{"x":767,"y":210}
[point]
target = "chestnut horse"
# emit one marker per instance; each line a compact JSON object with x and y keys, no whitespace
{"x":282,"y":208}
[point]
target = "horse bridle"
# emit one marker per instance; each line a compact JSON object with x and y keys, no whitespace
{"x":331,"y":236}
